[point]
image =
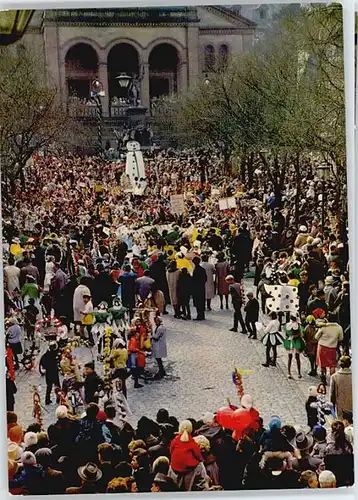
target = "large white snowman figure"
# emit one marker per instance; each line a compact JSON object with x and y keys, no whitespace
{"x":135,"y":168}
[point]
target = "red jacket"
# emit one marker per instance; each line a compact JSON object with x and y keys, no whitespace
{"x":184,"y":456}
{"x":133,"y":345}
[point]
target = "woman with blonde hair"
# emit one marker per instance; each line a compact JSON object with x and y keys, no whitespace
{"x":211,"y":466}
{"x":186,"y":464}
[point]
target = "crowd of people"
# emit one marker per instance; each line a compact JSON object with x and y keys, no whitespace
{"x":78,"y":245}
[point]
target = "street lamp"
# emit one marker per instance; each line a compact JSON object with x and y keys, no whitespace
{"x":323,"y":173}
{"x":96,"y":94}
{"x":124,"y":80}
{"x":13,"y":24}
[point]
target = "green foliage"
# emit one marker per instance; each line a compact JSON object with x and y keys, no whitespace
{"x":277,"y":103}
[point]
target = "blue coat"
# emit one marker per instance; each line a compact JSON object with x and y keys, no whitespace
{"x":31,"y":478}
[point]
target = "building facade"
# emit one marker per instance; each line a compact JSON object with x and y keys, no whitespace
{"x":163,"y":50}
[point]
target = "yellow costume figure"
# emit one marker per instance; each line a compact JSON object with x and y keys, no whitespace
{"x":171,"y":256}
{"x":293,"y":282}
{"x":15,"y":249}
{"x":194,"y":235}
{"x":183,"y":262}
{"x":232,"y":228}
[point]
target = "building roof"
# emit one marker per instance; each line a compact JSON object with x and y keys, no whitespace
{"x":232,"y":15}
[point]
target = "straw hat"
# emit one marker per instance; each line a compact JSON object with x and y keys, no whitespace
{"x":90,"y":473}
{"x":14,"y":451}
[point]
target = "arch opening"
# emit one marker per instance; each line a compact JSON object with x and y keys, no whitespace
{"x":81,"y":68}
{"x":122,"y":58}
{"x":163,"y":70}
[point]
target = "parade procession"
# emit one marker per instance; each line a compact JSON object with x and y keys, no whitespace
{"x":177,"y":301}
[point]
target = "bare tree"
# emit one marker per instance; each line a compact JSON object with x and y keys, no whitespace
{"x":31,"y":117}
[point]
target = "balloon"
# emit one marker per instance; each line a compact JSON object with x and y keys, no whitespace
{"x":237,"y":435}
{"x":224,"y":417}
{"x":241,"y":419}
{"x":255,"y":423}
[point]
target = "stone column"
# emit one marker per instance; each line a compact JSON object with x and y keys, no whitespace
{"x":103,"y":78}
{"x":63,"y":87}
{"x":144,"y":86}
{"x":54,"y":60}
{"x":193,"y":54}
{"x":183,"y":76}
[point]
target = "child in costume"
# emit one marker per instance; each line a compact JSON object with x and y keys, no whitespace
{"x":134,"y":351}
{"x":87,"y":316}
{"x":294,"y":344}
{"x":271,"y":339}
{"x":322,"y":405}
{"x":102,"y":318}
{"x":118,"y":317}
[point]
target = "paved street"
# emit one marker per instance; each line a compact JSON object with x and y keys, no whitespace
{"x":201,"y":355}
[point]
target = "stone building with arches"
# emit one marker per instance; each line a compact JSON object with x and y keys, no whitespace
{"x":164,"y":50}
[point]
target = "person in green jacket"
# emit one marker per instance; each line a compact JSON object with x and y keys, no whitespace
{"x":30,"y":290}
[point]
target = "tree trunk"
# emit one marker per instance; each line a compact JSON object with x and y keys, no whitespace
{"x":243,"y":168}
{"x":250,"y":168}
{"x":12,"y":186}
{"x":22,"y":178}
{"x":298,"y":190}
{"x":4,"y":189}
{"x":278,"y":185}
{"x":227,"y":163}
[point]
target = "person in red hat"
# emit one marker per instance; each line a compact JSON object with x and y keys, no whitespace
{"x":101,"y":416}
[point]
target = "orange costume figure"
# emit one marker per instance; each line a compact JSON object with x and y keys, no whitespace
{"x":136,"y":360}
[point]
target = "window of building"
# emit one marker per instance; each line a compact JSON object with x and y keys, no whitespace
{"x":262,"y":14}
{"x":223,"y":55}
{"x":209,"y":58}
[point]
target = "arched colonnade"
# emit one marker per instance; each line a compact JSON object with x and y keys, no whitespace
{"x":158,"y":69}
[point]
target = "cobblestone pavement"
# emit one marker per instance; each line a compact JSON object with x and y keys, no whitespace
{"x":199,"y":366}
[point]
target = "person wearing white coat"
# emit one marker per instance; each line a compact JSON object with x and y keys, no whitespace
{"x":49,"y":272}
{"x":159,"y":346}
{"x":79,"y":303}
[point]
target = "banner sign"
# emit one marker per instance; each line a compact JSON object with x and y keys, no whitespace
{"x":177,"y":204}
{"x":227,"y":203}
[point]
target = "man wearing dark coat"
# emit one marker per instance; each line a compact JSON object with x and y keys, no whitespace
{"x":242,"y":246}
{"x":315,"y":269}
{"x":303,"y":292}
{"x":157,"y":271}
{"x":120,"y":251}
{"x":198,"y":289}
{"x":103,"y":287}
{"x":93,"y":384}
{"x":11,"y":390}
{"x":184,"y":292}
{"x":128,"y":288}
{"x":49,"y":363}
{"x":39,"y":260}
